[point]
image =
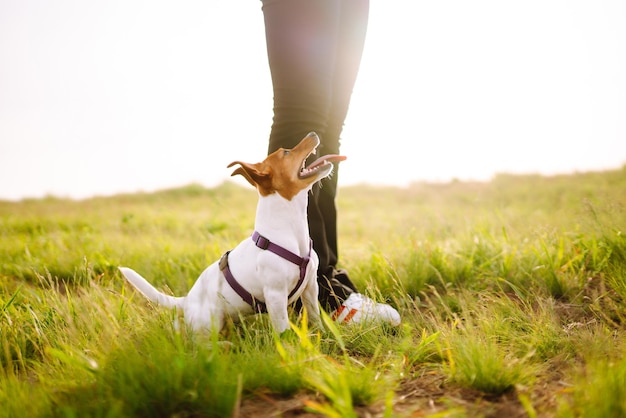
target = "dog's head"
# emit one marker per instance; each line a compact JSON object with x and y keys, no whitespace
{"x":284,"y":171}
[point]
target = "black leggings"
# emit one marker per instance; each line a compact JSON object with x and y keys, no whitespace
{"x":314,"y":50}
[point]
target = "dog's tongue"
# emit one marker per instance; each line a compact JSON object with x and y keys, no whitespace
{"x":334,"y":158}
{"x":331,"y":158}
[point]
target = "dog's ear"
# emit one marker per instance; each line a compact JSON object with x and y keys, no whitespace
{"x":251,"y":172}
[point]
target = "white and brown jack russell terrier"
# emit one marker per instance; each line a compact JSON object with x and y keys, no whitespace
{"x":274,"y":267}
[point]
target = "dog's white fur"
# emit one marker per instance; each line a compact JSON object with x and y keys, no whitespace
{"x":281,"y":216}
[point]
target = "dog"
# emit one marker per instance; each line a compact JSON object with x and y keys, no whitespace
{"x":273,"y":268}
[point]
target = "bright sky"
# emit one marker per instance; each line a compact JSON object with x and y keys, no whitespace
{"x":106,"y":96}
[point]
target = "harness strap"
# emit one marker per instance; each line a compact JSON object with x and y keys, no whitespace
{"x":265,"y":244}
{"x":257,"y":305}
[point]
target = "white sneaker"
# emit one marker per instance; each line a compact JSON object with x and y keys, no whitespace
{"x":359,"y":308}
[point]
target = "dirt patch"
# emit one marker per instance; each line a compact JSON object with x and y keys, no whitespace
{"x":423,"y":395}
{"x":267,"y":405}
{"x":430,"y":394}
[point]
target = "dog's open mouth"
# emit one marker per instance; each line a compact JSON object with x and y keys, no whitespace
{"x":319,"y":164}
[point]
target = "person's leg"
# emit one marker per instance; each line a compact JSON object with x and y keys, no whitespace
{"x":350,"y":40}
{"x":301,"y":41}
{"x":302,"y":44}
{"x":334,"y":288}
{"x":314,"y":51}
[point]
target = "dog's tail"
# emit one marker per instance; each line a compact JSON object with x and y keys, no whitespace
{"x":150,"y":291}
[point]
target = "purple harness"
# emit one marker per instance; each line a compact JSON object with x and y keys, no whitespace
{"x":265,"y":244}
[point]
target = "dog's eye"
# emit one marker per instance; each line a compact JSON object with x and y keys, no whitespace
{"x":286,"y":152}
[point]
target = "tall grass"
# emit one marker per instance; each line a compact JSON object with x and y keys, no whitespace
{"x":599,"y":391}
{"x":512,"y":295}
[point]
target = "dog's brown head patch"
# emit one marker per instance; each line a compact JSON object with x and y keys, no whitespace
{"x":283,"y":171}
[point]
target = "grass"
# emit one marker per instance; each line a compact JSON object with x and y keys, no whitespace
{"x":512,"y":295}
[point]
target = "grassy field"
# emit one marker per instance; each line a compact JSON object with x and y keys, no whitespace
{"x":512,"y":295}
